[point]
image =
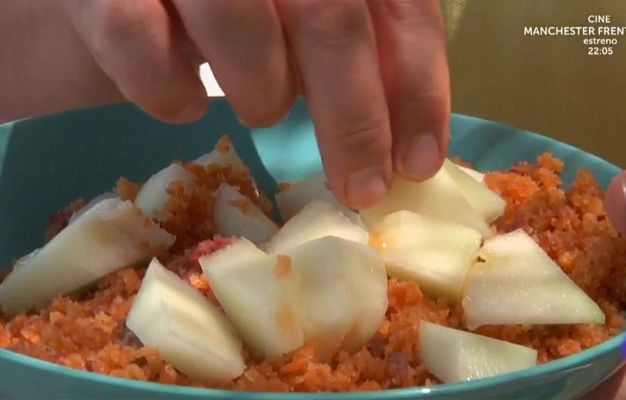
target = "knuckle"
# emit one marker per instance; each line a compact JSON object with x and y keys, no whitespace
{"x":118,"y":23}
{"x":330,"y":22}
{"x":417,"y":14}
{"x":435,"y":99}
{"x":368,"y":134}
{"x":411,"y":9}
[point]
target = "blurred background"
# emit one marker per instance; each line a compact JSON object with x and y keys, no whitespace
{"x":547,"y":85}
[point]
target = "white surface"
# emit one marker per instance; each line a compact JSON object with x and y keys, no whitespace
{"x":213,"y":89}
{"x":236,"y":216}
{"x":343,"y":292}
{"x":518,"y":283}
{"x":433,"y":253}
{"x":259,"y":298}
{"x":110,"y":235}
{"x":316,"y":220}
{"x":454,"y":356}
{"x":153,"y":196}
{"x":438,"y":197}
{"x":188,"y":331}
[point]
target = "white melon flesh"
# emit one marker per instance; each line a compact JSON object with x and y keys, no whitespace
{"x":343,"y":293}
{"x":236,"y":216}
{"x":184,"y":327}
{"x":91,"y":203}
{"x":433,"y":253}
{"x":476,"y":175}
{"x":454,"y":356}
{"x":259,"y":294}
{"x":437,"y":197}
{"x":518,"y":283}
{"x":110,"y":235}
{"x":154,"y":195}
{"x":223,"y":155}
{"x":484,"y":200}
{"x":298,"y":195}
{"x":316,"y":220}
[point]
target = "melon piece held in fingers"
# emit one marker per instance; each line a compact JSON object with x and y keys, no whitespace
{"x":454,"y":356}
{"x":235,"y":216}
{"x":316,"y":220}
{"x":438,"y":197}
{"x":488,"y":203}
{"x":259,"y":294}
{"x":299,"y":194}
{"x":476,"y":175}
{"x":433,"y":253}
{"x":108,"y":236}
{"x":223,"y":155}
{"x":184,"y":327}
{"x":516,"y":282}
{"x":154,"y":194}
{"x":343,"y":293}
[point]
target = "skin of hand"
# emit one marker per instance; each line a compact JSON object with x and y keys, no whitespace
{"x":373,"y":72}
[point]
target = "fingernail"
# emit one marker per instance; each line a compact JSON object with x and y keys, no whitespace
{"x":366,"y":187}
{"x":421,"y":158}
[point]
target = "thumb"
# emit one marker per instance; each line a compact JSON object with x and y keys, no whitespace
{"x":615,"y":202}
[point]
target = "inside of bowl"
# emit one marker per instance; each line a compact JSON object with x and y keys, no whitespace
{"x":47,"y":162}
{"x":488,"y":145}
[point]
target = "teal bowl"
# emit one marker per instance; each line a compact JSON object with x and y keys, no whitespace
{"x":47,"y":162}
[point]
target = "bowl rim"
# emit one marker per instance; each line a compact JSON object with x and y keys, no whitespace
{"x":579,"y":360}
{"x":576,"y":361}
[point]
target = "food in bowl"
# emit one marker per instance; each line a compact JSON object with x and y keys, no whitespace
{"x":348,"y":292}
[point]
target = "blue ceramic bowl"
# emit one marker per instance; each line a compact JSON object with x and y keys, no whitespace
{"x":47,"y":162}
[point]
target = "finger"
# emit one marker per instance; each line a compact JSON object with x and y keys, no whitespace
{"x":411,"y":40}
{"x":615,"y":202}
{"x":244,"y":44}
{"x":335,"y":51}
{"x":133,"y":43}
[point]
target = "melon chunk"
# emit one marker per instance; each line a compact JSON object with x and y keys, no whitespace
{"x":298,"y":195}
{"x":316,"y":220}
{"x":235,"y":215}
{"x":91,"y":203}
{"x":110,"y":235}
{"x":476,"y":175}
{"x":328,"y":291}
{"x":154,"y":195}
{"x":518,"y":283}
{"x":343,"y":293}
{"x":259,"y":295}
{"x":433,"y":253}
{"x":184,"y":327}
{"x":489,"y":204}
{"x":438,"y":197}
{"x":223,"y":155}
{"x":454,"y":356}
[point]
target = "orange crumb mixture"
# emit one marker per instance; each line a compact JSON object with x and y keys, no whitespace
{"x":89,"y":333}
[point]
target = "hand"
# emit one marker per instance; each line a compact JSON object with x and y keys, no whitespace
{"x":374,"y":73}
